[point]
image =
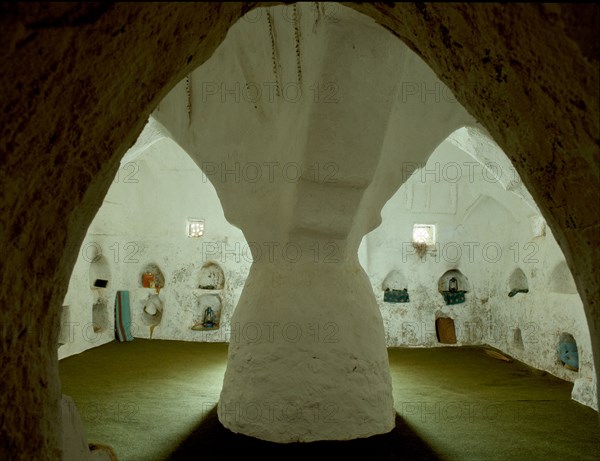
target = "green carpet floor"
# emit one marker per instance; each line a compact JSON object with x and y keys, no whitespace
{"x":156,"y":400}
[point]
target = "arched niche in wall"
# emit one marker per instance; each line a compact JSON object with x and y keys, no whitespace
{"x":395,"y":288}
{"x":453,"y":285}
{"x":99,"y":272}
{"x":517,"y":283}
{"x":209,"y":315}
{"x":152,"y":276}
{"x":152,"y":311}
{"x":211,"y":277}
{"x":100,"y":317}
{"x":561,"y":280}
{"x":517,"y":342}
{"x":568,"y":354}
{"x":445,"y":329}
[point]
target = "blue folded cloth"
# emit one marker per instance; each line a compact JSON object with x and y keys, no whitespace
{"x":122,"y":317}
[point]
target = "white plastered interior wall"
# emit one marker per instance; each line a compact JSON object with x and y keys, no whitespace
{"x":482,"y":229}
{"x":487,"y":232}
{"x":143,"y":222}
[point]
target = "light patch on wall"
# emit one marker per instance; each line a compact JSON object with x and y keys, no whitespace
{"x":195,"y":228}
{"x":424,"y":234}
{"x":538,"y":226}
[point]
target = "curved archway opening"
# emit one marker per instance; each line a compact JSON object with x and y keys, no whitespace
{"x":172,"y":67}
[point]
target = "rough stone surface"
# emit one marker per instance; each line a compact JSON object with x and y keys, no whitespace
{"x":79,"y":81}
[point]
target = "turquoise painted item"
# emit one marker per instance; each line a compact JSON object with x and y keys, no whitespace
{"x":454,"y":297}
{"x":122,"y":317}
{"x":568,"y":354}
{"x":396,"y":296}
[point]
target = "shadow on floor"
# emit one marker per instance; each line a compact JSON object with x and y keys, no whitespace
{"x":211,"y":438}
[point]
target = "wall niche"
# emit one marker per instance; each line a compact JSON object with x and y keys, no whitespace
{"x":395,"y":288}
{"x":453,"y":285}
{"x":152,"y":311}
{"x":152,"y":277}
{"x":211,"y":277}
{"x":518,"y":339}
{"x":209,"y":318}
{"x":568,"y":354}
{"x":100,"y":319}
{"x":99,"y":272}
{"x":517,"y":283}
{"x":445,"y":329}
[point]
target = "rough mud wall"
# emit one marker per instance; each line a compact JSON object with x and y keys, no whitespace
{"x":79,"y":81}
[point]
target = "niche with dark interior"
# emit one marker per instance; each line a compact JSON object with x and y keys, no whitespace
{"x":568,"y":354}
{"x":453,"y":285}
{"x":517,"y":283}
{"x":445,"y":330}
{"x":211,"y":277}
{"x":100,"y":316}
{"x":395,"y":288}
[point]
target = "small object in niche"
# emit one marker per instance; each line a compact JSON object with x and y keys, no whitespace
{"x":209,"y":318}
{"x":207,"y":287}
{"x":453,"y":285}
{"x":148,"y":280}
{"x":514,"y":291}
{"x":454,"y":297}
{"x":568,"y":354}
{"x":396,"y":296}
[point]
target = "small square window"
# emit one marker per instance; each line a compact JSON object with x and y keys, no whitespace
{"x":424,"y":234}
{"x":195,"y":228}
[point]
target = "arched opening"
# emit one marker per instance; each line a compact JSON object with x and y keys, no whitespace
{"x":100,"y":316}
{"x":209,"y":313}
{"x":211,"y":277}
{"x":152,"y":277}
{"x":453,"y":286}
{"x":395,"y":288}
{"x":517,"y":342}
{"x":517,"y":283}
{"x":568,"y":354}
{"x":445,"y":329}
{"x":152,"y":312}
{"x":570,"y":239}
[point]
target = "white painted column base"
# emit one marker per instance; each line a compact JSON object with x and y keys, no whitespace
{"x":307,"y":357}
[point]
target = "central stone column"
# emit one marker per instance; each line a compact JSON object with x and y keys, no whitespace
{"x":307,"y":356}
{"x":300,"y":120}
